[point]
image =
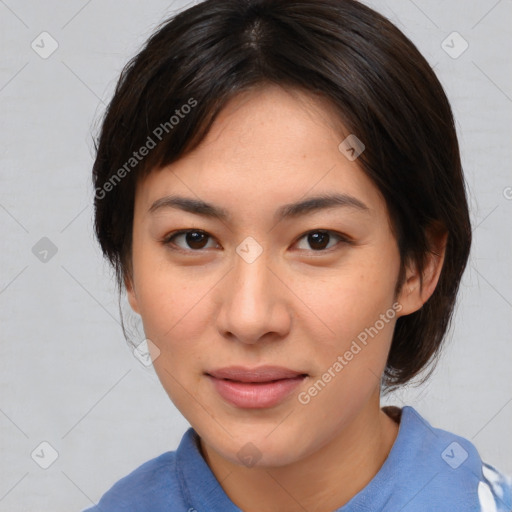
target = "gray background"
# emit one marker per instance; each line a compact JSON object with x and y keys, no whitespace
{"x":66,"y":374}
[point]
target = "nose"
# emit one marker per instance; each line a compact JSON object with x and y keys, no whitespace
{"x":253,"y":305}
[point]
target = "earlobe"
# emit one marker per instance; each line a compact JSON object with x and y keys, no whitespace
{"x":416,"y":291}
{"x":130,"y":292}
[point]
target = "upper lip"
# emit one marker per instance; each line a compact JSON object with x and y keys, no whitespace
{"x":259,"y":374}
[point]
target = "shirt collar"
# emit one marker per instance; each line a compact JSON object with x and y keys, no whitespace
{"x":417,"y":458}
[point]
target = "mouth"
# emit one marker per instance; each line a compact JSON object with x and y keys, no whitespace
{"x":255,"y":388}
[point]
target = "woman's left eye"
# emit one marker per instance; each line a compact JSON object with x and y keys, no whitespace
{"x":196,"y":240}
{"x":319,"y":240}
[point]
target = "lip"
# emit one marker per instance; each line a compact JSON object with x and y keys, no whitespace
{"x":255,"y":388}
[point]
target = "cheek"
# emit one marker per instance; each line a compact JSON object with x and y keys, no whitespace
{"x":165,"y":293}
{"x":173,"y":312}
{"x":350,"y":361}
{"x":352,"y":298}
{"x":176,"y":315}
{"x":356,"y":351}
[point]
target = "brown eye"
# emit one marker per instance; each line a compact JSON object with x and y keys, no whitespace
{"x":193,"y":240}
{"x":319,"y":240}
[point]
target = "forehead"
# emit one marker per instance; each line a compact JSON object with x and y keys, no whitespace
{"x":267,"y":147}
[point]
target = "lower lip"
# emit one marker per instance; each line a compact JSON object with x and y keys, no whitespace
{"x":255,"y":395}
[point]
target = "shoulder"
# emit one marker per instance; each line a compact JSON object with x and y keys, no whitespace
{"x":146,"y":488}
{"x":457,"y":469}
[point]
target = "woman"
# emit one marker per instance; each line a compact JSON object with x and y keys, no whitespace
{"x":279,"y":188}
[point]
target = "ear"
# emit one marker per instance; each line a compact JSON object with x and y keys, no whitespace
{"x":414,"y":292}
{"x":130,"y":292}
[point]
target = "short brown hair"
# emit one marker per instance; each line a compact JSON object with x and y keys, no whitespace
{"x":377,"y":82}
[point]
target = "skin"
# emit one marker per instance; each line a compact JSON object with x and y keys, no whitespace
{"x":293,"y":306}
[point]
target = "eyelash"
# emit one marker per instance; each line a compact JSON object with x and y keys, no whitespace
{"x":343,"y":239}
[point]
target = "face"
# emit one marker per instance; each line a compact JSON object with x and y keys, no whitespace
{"x":272,"y":324}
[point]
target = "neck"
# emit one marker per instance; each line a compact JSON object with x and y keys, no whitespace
{"x":321,"y":482}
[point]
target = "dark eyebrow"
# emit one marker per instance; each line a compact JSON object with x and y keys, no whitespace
{"x":294,"y":210}
{"x":321,"y":202}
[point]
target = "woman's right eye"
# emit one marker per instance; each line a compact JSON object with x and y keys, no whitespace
{"x":193,"y":238}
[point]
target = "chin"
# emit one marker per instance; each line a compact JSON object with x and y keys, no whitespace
{"x":257,"y":447}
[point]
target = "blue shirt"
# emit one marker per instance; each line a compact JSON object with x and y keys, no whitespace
{"x":427,"y":469}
